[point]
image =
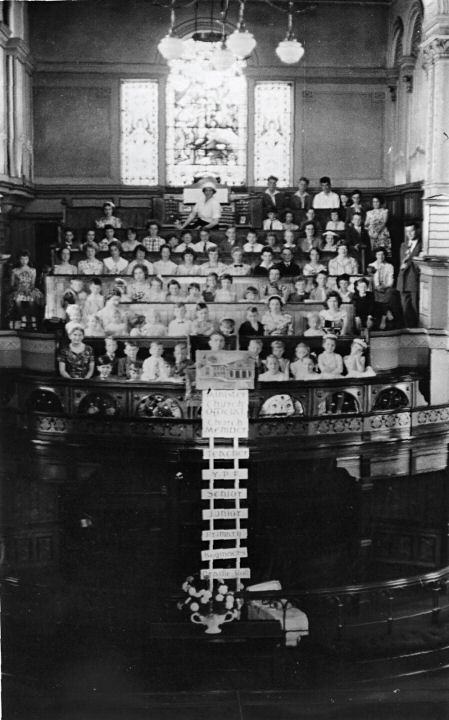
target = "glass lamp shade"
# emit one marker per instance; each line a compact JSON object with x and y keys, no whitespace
{"x":222,"y":59}
{"x":171,"y":47}
{"x":241,"y":43}
{"x":290,"y":51}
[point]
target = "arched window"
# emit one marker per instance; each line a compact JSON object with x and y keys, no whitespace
{"x":391,"y":398}
{"x":281,"y":405}
{"x":158,"y":406}
{"x":416,"y":36}
{"x":398,"y":42}
{"x":44,"y":401}
{"x":338,"y":403}
{"x":98,"y":405}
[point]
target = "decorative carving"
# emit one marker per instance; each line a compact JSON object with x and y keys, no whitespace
{"x":432,"y":417}
{"x":393,"y":92}
{"x":408,"y":81}
{"x":436,"y":49}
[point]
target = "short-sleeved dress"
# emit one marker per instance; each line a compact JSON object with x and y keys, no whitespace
{"x":76,"y":364}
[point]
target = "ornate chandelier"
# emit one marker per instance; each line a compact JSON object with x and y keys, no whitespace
{"x":238,"y":46}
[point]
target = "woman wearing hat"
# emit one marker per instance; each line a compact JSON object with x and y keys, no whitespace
{"x":206,"y":212}
{"x":108,"y":217}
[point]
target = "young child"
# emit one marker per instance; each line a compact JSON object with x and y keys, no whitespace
{"x":129,"y":360}
{"x":210,"y":291}
{"x":355,"y":362}
{"x":104,"y":367}
{"x":179,"y":326}
{"x":152,"y":327}
{"x":314,"y":325}
{"x":226,"y":292}
{"x":178,"y":371}
{"x":330,"y":363}
{"x":111,"y":351}
{"x":277,"y":351}
{"x":272,"y":223}
{"x":273,"y":372}
{"x":255,"y":347}
{"x":300,"y":295}
{"x":202,"y":324}
{"x":156,"y":292}
{"x":174,"y":293}
{"x":300,"y":368}
{"x":94,"y":328}
{"x":194,"y":293}
{"x":227,"y":329}
{"x":153,"y":368}
{"x":251,"y":295}
{"x":95,"y":299}
{"x":217,"y":342}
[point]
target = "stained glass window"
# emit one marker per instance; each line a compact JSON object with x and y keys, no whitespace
{"x":139,"y":132}
{"x":206,"y":119}
{"x":272,"y":131}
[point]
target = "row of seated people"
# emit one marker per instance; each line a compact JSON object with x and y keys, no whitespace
{"x":274,"y":361}
{"x":300,"y":241}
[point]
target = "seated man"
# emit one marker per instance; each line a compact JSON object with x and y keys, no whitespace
{"x":204,"y":243}
{"x":326,"y":199}
{"x":226,"y":245}
{"x":272,"y":198}
{"x":213,"y":264}
{"x":265,"y":264}
{"x":272,"y":222}
{"x":356,"y":235}
{"x":186,"y":242}
{"x":355,"y":207}
{"x":287,"y":267}
{"x":237,"y":266}
{"x":310,"y":217}
{"x":387,"y":299}
{"x":302,"y":199}
{"x":207,"y":211}
{"x":252,"y":245}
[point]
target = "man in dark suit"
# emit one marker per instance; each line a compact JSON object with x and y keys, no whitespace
{"x":272,"y":198}
{"x":301,"y":201}
{"x":356,"y":238}
{"x":287,"y":267}
{"x":408,"y":277}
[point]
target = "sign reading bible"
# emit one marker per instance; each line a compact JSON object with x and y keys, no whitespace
{"x":224,"y":370}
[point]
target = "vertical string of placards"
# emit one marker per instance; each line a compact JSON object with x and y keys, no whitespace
{"x":225,"y":415}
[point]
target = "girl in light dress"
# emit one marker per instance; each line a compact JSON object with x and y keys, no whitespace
{"x":355,"y":362}
{"x":113,"y":320}
{"x":25,"y":299}
{"x":303,"y":368}
{"x":330,"y":363}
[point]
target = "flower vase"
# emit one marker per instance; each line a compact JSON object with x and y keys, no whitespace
{"x":213,"y":621}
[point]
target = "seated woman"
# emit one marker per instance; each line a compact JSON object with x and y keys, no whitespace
{"x":251,"y":326}
{"x":289,"y":240}
{"x":310,"y":239}
{"x":300,"y":295}
{"x":115,"y":264}
{"x":76,"y":361}
{"x":165,"y":266}
{"x":334,"y":232}
{"x":139,"y":287}
{"x":310,"y":217}
{"x":343,"y":285}
{"x":330,"y":363}
{"x":188,"y":266}
{"x":113,"y":320}
{"x":343,"y":263}
{"x":174,"y":292}
{"x":226,"y":292}
{"x":139,"y":258}
{"x":273,"y":372}
{"x":313,"y":266}
{"x":194,"y":293}
{"x":131,"y":242}
{"x":152,"y":242}
{"x":364,"y":306}
{"x":376,"y":223}
{"x":150,"y":325}
{"x":251,"y":294}
{"x":202,"y":324}
{"x":275,"y":321}
{"x":272,"y":242}
{"x":64,"y":267}
{"x":319,"y":289}
{"x":289,"y":223}
{"x":108,"y":217}
{"x":25,"y":299}
{"x":210,"y":288}
{"x":90,"y":265}
{"x":303,"y":366}
{"x":355,"y":362}
{"x":334,"y":319}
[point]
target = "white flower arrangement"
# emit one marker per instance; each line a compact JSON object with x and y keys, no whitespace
{"x":200,"y":599}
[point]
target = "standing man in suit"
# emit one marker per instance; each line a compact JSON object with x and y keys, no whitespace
{"x":408,"y":278}
{"x":272,"y":199}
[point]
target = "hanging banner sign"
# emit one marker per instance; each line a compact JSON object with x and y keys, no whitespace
{"x":224,"y":494}
{"x":224,"y":554}
{"x":225,"y":474}
{"x":208,"y":535}
{"x":224,"y":413}
{"x":225,"y":573}
{"x":229,"y":453}
{"x":222,"y":514}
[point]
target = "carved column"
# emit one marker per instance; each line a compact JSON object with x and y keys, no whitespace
{"x":434,"y":266}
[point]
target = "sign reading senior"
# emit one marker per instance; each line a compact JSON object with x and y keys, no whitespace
{"x":225,"y":413}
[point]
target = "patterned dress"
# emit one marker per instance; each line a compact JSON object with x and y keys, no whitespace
{"x":76,"y":364}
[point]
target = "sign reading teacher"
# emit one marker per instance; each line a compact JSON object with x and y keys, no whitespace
{"x":225,"y":413}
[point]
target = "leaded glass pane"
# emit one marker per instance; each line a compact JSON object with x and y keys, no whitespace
{"x":139,"y":132}
{"x":206,"y":119}
{"x":272,"y":131}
